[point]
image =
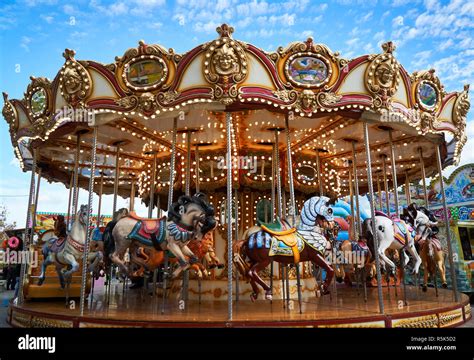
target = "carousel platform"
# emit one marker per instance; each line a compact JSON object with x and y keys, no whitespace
{"x":347,"y":308}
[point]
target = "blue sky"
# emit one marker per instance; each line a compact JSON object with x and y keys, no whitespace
{"x":34,"y":33}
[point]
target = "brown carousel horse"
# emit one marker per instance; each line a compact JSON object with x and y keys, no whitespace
{"x":287,"y":245}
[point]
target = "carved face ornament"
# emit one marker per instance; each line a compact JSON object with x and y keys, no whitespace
{"x":307,"y":99}
{"x":147,"y":102}
{"x":225,"y":61}
{"x":385,"y":75}
{"x":72,"y":81}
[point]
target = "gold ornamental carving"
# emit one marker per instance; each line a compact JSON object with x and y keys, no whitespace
{"x":326,"y":65}
{"x":167,"y":97}
{"x":382,"y":76}
{"x":10,"y":114}
{"x":225,"y":65}
{"x":75,"y":82}
{"x":426,"y":82}
{"x":145,"y":102}
{"x":306,"y":101}
{"x":461,"y":108}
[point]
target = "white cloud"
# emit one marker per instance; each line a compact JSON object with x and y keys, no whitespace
{"x":445,"y":45}
{"x":25,"y":41}
{"x":48,"y":18}
{"x":420,"y":59}
{"x":366,"y":17}
{"x":398,"y":21}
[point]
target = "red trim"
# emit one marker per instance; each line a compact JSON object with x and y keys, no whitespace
{"x":268,"y":63}
{"x":109,"y":75}
{"x":185,"y":60}
{"x":351,"y":65}
{"x":445,"y":100}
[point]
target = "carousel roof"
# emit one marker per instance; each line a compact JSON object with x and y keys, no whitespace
{"x":135,"y":99}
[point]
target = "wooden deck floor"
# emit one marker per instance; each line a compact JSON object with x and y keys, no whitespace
{"x":346,"y":308}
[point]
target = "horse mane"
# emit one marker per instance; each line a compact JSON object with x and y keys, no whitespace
{"x":199,"y":199}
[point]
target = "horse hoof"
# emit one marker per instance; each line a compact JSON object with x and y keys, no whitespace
{"x":325,"y":290}
{"x":424,"y":288}
{"x":40,"y":282}
{"x":339,"y":279}
{"x":220,"y":266}
{"x":444,"y":285}
{"x":269,"y":296}
{"x":253,"y":297}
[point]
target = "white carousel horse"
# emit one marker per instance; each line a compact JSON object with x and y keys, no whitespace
{"x":431,"y":251}
{"x":65,"y":253}
{"x":393,"y":234}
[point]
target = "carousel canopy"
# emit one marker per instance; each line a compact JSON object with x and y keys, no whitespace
{"x":135,"y":100}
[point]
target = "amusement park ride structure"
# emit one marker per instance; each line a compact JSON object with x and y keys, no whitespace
{"x":241,"y":125}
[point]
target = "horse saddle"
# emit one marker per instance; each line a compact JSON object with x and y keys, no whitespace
{"x":150,"y":232}
{"x":434,"y":240}
{"x":149,"y":226}
{"x":56,"y":245}
{"x":283,"y":236}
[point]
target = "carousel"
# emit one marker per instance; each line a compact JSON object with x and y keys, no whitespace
{"x":253,"y":165}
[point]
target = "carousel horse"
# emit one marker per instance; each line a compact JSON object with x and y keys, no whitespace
{"x":356,"y":257}
{"x":191,"y":217}
{"x":393,"y":234}
{"x":431,"y":251}
{"x":65,"y":253}
{"x":204,"y":250}
{"x":285,"y":244}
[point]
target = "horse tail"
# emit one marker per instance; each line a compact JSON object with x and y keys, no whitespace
{"x":368,"y":236}
{"x":239,"y":258}
{"x":109,"y":241}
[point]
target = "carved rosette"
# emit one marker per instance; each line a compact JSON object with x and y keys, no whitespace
{"x":75,"y":82}
{"x":225,"y":65}
{"x":382,"y":77}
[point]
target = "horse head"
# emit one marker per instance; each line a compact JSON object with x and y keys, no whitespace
{"x":316,"y":212}
{"x":193,"y":213}
{"x":120,"y":213}
{"x":82,"y":215}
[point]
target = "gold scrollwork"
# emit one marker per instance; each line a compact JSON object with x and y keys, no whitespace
{"x":288,"y":96}
{"x":429,"y":80}
{"x":225,"y":65}
{"x":327,"y":98}
{"x":167,"y":97}
{"x":382,"y":76}
{"x":321,"y":55}
{"x":38,"y":94}
{"x":145,"y":102}
{"x":75,"y":82}
{"x":146,"y":55}
{"x":461,"y":108}
{"x":10,"y":114}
